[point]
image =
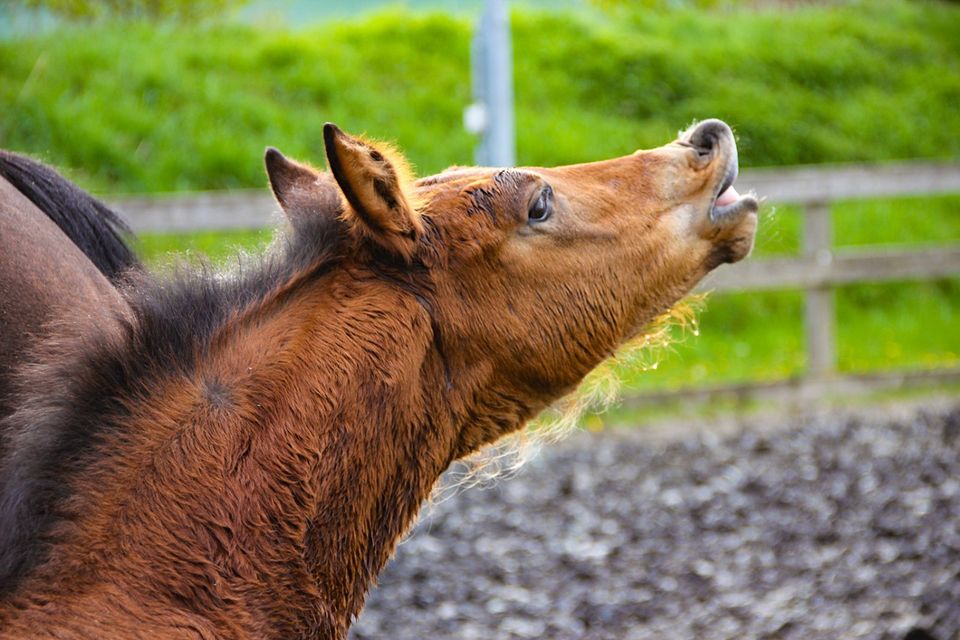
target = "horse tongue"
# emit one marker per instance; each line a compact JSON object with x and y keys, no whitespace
{"x":727,"y":197}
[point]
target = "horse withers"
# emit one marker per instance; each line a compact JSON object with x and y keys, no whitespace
{"x":240,"y":459}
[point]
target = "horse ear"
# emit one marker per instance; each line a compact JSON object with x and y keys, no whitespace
{"x":373,"y":179}
{"x":300,"y":190}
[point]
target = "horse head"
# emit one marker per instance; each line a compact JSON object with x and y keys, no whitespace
{"x":532,"y":276}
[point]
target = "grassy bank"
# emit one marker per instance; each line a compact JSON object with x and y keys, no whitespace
{"x":139,"y":108}
{"x":135,"y":108}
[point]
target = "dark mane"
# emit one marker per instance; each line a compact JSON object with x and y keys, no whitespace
{"x":76,"y":397}
{"x":95,"y":228}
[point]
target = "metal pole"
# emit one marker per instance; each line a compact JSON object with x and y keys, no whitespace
{"x":491,"y":114}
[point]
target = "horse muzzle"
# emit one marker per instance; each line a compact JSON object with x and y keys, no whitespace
{"x":714,"y":143}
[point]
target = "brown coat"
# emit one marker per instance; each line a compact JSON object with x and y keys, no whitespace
{"x":252,"y":448}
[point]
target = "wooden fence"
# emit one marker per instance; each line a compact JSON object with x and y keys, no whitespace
{"x":817,"y":270}
{"x":820,"y":268}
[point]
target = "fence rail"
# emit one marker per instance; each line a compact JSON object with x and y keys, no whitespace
{"x":817,"y":270}
{"x":839,"y":268}
{"x":199,"y":211}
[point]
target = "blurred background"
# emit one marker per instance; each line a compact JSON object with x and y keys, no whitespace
{"x":159,"y":96}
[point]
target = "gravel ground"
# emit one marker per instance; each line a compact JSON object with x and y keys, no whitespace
{"x":825,"y":527}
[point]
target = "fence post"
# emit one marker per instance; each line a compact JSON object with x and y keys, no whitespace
{"x":819,"y":315}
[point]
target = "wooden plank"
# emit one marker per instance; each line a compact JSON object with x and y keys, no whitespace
{"x":819,"y":331}
{"x":799,"y":389}
{"x":199,"y":211}
{"x":826,"y":183}
{"x":845,"y":268}
{"x":818,"y":321}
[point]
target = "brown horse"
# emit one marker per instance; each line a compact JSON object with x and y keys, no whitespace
{"x":60,"y":248}
{"x":241,"y":459}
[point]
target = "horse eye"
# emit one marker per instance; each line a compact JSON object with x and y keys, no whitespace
{"x":541,"y":209}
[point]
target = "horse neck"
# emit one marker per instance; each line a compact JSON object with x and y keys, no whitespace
{"x":290,"y":461}
{"x":357,"y":433}
{"x":382,"y":444}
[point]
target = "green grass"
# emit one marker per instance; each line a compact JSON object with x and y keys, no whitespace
{"x":157,"y":249}
{"x":139,"y":108}
{"x":759,"y":336}
{"x":896,"y":326}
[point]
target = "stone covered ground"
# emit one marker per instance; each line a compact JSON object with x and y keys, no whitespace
{"x":822,"y":526}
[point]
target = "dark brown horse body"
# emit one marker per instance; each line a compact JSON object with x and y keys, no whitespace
{"x":55,"y":262}
{"x":239,"y":460}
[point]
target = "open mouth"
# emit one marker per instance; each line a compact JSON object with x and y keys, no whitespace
{"x":729,"y":204}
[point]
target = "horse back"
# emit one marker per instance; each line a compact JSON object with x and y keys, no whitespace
{"x":45,"y":279}
{"x":92,"y":226}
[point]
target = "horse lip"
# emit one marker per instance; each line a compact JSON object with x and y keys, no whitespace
{"x":747,"y":203}
{"x":729,"y":176}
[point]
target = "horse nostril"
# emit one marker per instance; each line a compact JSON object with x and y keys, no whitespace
{"x":707,"y":135}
